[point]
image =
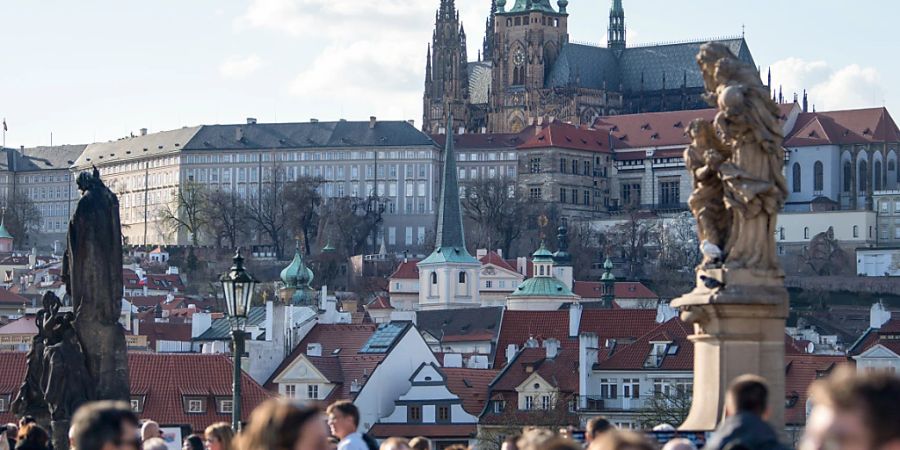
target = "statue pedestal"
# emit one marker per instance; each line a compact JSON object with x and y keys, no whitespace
{"x":59,"y":434}
{"x":738,"y":317}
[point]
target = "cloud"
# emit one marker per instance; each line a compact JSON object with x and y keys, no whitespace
{"x":240,"y":67}
{"x":829,"y":88}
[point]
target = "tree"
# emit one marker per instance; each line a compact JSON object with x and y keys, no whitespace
{"x":302,"y":199}
{"x":632,"y":239}
{"x":677,"y":243}
{"x":351,"y":221}
{"x":669,"y":406}
{"x":498,"y":212}
{"x":226,"y":217}
{"x":268,"y":209}
{"x":185,"y":212}
{"x":494,"y":428}
{"x":21,"y":216}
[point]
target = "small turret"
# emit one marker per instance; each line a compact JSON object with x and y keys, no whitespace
{"x":616,"y":37}
{"x":608,"y":293}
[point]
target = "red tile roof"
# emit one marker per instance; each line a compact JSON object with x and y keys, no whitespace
{"x":622,"y":290}
{"x":11,"y":298}
{"x":24,"y":325}
{"x":471,"y":386}
{"x":497,"y":260}
{"x":407,"y":270}
{"x":857,"y":126}
{"x":561,"y":371}
{"x":380,"y":302}
{"x":633,"y":356}
{"x":800,"y":372}
{"x":433,"y":431}
{"x":568,"y":136}
{"x":164,"y":379}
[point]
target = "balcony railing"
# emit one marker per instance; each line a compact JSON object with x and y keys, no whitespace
{"x":594,"y":403}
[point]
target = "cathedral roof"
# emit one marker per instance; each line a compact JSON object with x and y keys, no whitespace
{"x":585,"y":66}
{"x":479,"y":81}
{"x":531,"y":5}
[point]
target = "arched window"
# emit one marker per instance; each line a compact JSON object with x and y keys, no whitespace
{"x":541,"y":270}
{"x":433,"y":277}
{"x":796,"y":177}
{"x":805,"y":232}
{"x":848,"y":174}
{"x":878,"y":177}
{"x":863,"y":177}
{"x":462,"y":277}
{"x":818,"y":176}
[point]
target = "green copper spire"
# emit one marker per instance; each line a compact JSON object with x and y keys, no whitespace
{"x":532,"y":5}
{"x":4,"y":234}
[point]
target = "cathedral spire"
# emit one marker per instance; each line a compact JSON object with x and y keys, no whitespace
{"x":616,"y":36}
{"x":450,"y":235}
{"x":428,"y":70}
{"x":488,"y":44}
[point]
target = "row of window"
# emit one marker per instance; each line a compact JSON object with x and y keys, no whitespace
{"x":491,"y":156}
{"x":312,"y":391}
{"x":631,"y":387}
{"x":414,"y":413}
{"x":523,"y":20}
{"x":863,"y":182}
{"x":573,"y":199}
{"x":490,"y":172}
{"x":190,"y":404}
{"x":303,"y":156}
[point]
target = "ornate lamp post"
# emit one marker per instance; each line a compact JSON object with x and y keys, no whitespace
{"x":238,"y":285}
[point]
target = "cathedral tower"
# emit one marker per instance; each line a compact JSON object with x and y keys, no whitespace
{"x":446,"y":72}
{"x":616,"y":37}
{"x":527,"y":41}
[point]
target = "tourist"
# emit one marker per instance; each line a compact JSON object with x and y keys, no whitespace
{"x":12,"y":431}
{"x":192,"y":442}
{"x":343,"y":419}
{"x":4,"y":442}
{"x":621,"y":440}
{"x":511,"y":442}
{"x":150,"y":430}
{"x":679,"y":444}
{"x":219,"y":436}
{"x":105,"y":425}
{"x":395,"y":443}
{"x":560,"y":443}
{"x":154,"y":444}
{"x":33,"y":437}
{"x":534,"y":438}
{"x":420,"y":443}
{"x":595,"y":428}
{"x":746,"y":412}
{"x":854,"y":411}
{"x":278,"y":424}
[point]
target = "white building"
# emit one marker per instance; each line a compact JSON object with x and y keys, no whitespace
{"x":878,"y":262}
{"x":879,"y":347}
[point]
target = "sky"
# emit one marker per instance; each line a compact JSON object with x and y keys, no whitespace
{"x":98,"y":70}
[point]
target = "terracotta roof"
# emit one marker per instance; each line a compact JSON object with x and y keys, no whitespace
{"x":407,"y":270}
{"x":497,"y":260}
{"x":380,"y":302}
{"x":622,"y":289}
{"x":164,"y":379}
{"x":433,"y":431}
{"x":24,"y":325}
{"x":471,"y":386}
{"x":11,"y":298}
{"x":564,"y":135}
{"x":164,"y":282}
{"x":857,"y":126}
{"x":800,"y":372}
{"x":146,"y":301}
{"x":560,"y":371}
{"x":634,"y":356}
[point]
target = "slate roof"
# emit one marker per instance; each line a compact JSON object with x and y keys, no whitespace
{"x":307,"y":135}
{"x":585,"y":66}
{"x":164,"y":379}
{"x":154,"y":144}
{"x":847,"y":127}
{"x":461,"y":324}
{"x":470,"y":385}
{"x":479,"y":81}
{"x":57,"y":157}
{"x":800,"y":372}
{"x":220,"y":330}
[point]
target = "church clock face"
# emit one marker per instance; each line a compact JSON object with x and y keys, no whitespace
{"x":519,"y":57}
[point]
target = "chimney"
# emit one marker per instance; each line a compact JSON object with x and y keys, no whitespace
{"x":200,"y":322}
{"x":552,"y":347}
{"x":462,"y":130}
{"x":575,"y":319}
{"x":143,"y":131}
{"x":372,"y":121}
{"x":665,"y":313}
{"x":480,"y":253}
{"x":511,"y":351}
{"x":313,"y":120}
{"x":588,"y":349}
{"x":522,"y":265}
{"x":251,"y":121}
{"x":314,"y":349}
{"x":878,"y":315}
{"x":411,"y":122}
{"x":531,"y":342}
{"x":483,"y":130}
{"x":442,"y":130}
{"x":537,"y":129}
{"x":239,"y":134}
{"x":453,"y":360}
{"x":500,"y":252}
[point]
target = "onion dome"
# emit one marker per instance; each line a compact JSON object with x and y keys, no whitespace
{"x":296,"y":274}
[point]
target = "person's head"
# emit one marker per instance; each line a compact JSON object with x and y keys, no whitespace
{"x":560,"y":443}
{"x":150,"y":430}
{"x":595,"y":427}
{"x":278,"y":424}
{"x":748,"y":394}
{"x":192,"y":442}
{"x":33,"y":437}
{"x":511,"y":442}
{"x":219,"y":436}
{"x":621,"y":440}
{"x":420,"y":443}
{"x":156,"y":443}
{"x":394,"y":443}
{"x":105,"y":425}
{"x":25,"y":420}
{"x":12,"y":430}
{"x":533,"y":438}
{"x":343,"y":418}
{"x":4,"y":442}
{"x":854,"y":411}
{"x":679,"y":444}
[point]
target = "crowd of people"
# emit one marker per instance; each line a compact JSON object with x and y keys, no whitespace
{"x":850,"y":412}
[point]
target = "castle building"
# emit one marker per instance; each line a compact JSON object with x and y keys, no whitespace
{"x":530,"y":69}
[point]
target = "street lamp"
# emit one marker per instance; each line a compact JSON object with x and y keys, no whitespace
{"x":238,"y":285}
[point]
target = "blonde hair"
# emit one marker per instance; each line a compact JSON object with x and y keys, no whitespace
{"x":395,"y":443}
{"x":222,"y":432}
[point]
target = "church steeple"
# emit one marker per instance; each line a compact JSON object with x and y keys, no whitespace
{"x":449,"y":78}
{"x":450,"y":235}
{"x":616,"y":37}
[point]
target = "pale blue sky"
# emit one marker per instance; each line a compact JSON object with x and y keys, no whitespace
{"x":96,"y":70}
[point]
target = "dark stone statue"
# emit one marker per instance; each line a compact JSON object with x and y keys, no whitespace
{"x":80,"y":356}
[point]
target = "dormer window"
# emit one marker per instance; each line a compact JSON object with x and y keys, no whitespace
{"x":194,"y":405}
{"x":137,"y":403}
{"x":224,"y":405}
{"x":4,"y":402}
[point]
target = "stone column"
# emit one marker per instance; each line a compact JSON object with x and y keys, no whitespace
{"x":738,"y":318}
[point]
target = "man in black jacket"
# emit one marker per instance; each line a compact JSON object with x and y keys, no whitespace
{"x":746,"y":411}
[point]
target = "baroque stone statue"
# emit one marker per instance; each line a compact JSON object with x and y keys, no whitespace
{"x":65,"y":381}
{"x":739,"y":305}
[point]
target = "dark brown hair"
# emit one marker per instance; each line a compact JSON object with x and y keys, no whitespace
{"x":749,"y":394}
{"x":276,"y":425}
{"x":98,"y":423}
{"x":596,"y":426}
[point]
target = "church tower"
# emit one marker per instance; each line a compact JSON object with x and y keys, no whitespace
{"x":449,"y":277}
{"x":446,"y":73}
{"x":527,"y":40}
{"x":616,"y":38}
{"x":487,"y":50}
